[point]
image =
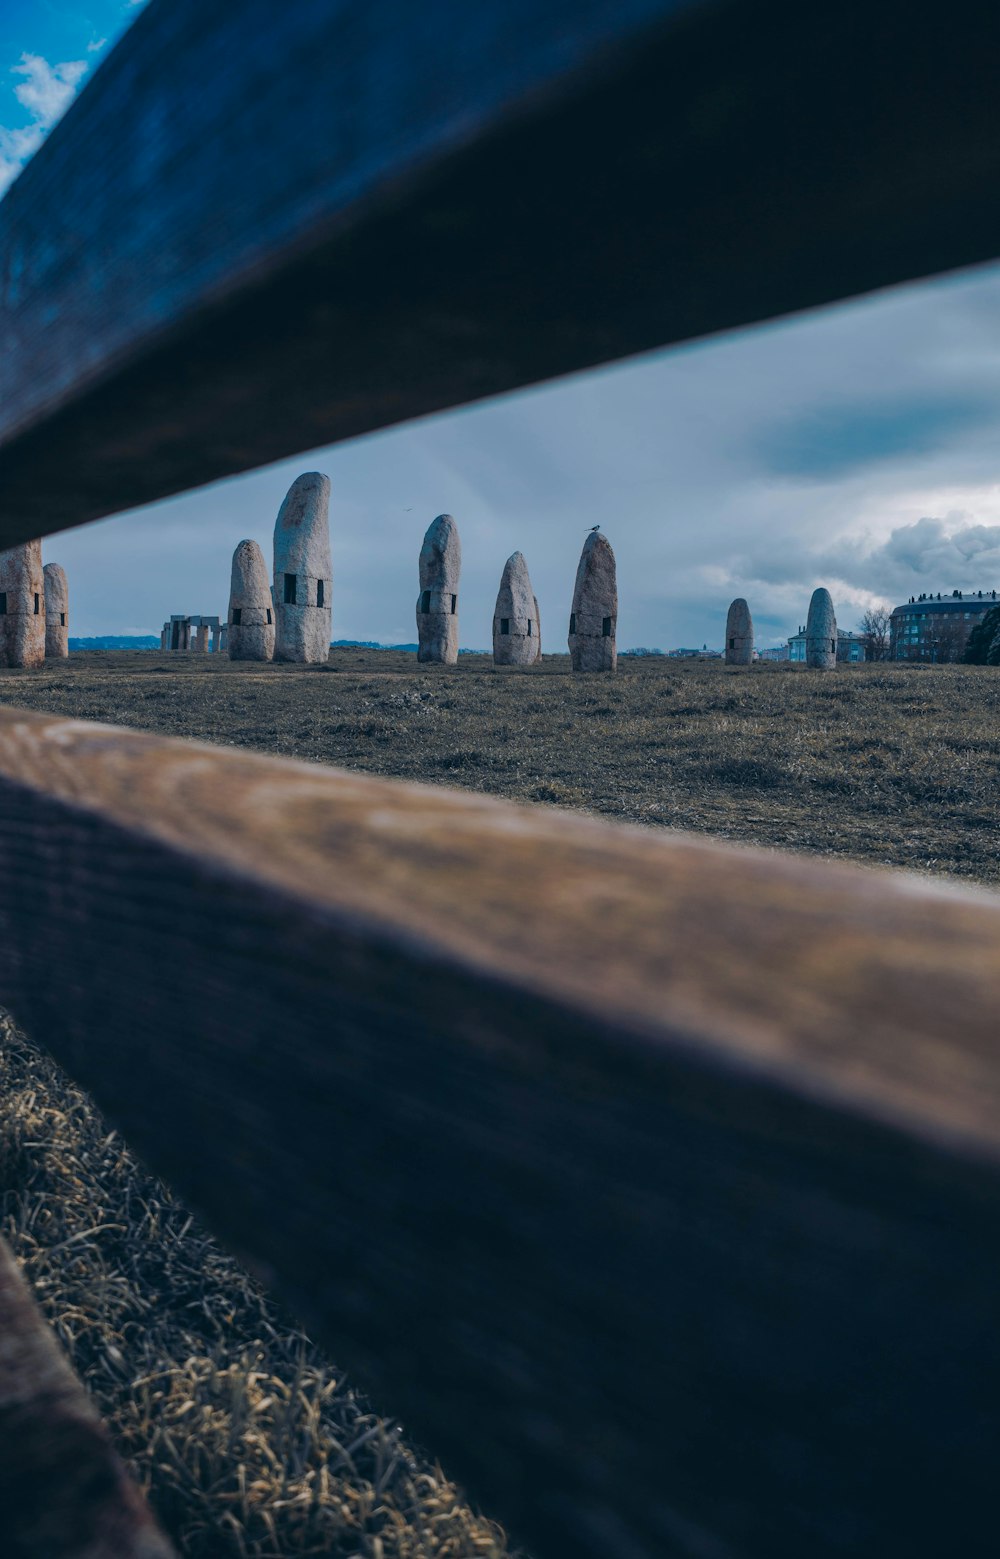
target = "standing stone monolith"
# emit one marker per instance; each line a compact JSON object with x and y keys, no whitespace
{"x":303,"y":572}
{"x":22,"y":606}
{"x":593,"y":621}
{"x":250,"y":628}
{"x":538,"y":625}
{"x":515,"y":622}
{"x":56,"y":611}
{"x":821,"y":632}
{"x":739,"y":634}
{"x":437,"y":604}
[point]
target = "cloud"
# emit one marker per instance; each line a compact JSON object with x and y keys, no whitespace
{"x":963,"y":556}
{"x":831,"y":440}
{"x":45,"y":92}
{"x":943,"y":552}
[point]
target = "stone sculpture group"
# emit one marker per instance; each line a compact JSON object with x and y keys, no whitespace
{"x":34,"y":608}
{"x":821,"y":633}
{"x":290,"y":620}
{"x":517,"y":627}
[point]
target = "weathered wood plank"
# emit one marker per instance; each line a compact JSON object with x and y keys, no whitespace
{"x":655,"y":1184}
{"x":64,"y":1493}
{"x":264,"y":228}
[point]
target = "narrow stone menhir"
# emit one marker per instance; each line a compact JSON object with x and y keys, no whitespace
{"x":515,"y":618}
{"x":437,"y":604}
{"x":56,"y":612}
{"x":821,"y":632}
{"x":593,"y":621}
{"x":303,"y":572}
{"x":739,"y":634}
{"x":22,"y":606}
{"x":538,"y":626}
{"x":250,"y":630}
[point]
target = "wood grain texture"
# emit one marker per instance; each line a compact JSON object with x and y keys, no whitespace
{"x":262,"y":229}
{"x":655,"y":1184}
{"x":64,"y":1493}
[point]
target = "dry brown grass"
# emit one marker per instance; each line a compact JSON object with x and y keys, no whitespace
{"x":894,"y":764}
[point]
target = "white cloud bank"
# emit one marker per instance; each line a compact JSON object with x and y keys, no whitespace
{"x":46,"y":91}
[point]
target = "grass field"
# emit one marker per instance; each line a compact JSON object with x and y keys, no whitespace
{"x":248,"y":1439}
{"x":895,"y":764}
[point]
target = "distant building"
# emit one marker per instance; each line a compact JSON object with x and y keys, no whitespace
{"x":778,"y":652}
{"x":177,"y":633}
{"x":937,"y":627}
{"x":850,"y":648}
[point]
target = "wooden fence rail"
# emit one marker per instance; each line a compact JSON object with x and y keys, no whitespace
{"x":262,"y":228}
{"x":64,"y":1494}
{"x":654,"y":1184}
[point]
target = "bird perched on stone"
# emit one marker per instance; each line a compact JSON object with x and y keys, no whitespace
{"x":593,"y":528}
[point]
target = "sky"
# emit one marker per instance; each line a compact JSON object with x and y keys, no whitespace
{"x":855,"y":447}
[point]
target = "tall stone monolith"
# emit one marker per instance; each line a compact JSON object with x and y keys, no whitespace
{"x":739,"y":634}
{"x":250,"y":626}
{"x":593,"y":621}
{"x":303,"y":572}
{"x":22,"y":606}
{"x":515,"y":621}
{"x":821,"y":632}
{"x":56,"y":611}
{"x":538,"y":625}
{"x":437,"y":603}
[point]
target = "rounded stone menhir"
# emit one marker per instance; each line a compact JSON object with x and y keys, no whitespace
{"x":303,"y":571}
{"x":821,"y":632}
{"x":440,"y":567}
{"x":593,"y":621}
{"x":516,"y":636}
{"x":56,"y":612}
{"x":250,"y":626}
{"x":22,"y":606}
{"x":739,"y":634}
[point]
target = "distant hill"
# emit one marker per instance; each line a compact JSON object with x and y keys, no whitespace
{"x":117,"y":641}
{"x":373,"y":644}
{"x":151,"y":641}
{"x":369,"y":644}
